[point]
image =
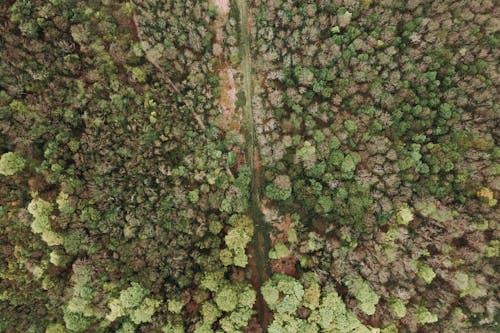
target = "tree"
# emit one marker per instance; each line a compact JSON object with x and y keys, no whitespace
{"x":367,"y":298}
{"x":280,"y":189}
{"x":11,"y":163}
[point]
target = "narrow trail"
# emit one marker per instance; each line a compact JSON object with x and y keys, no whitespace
{"x":260,"y":268}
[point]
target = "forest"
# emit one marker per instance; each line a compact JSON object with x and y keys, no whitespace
{"x":223,"y":166}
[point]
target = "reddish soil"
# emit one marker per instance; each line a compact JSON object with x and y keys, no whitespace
{"x":285,"y":266}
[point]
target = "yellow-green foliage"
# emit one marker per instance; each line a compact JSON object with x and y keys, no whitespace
{"x":174,"y":328}
{"x":283,"y":293}
{"x":390,"y":246}
{"x":127,"y":327}
{"x":64,"y":204}
{"x":11,"y":163}
{"x":486,"y":195}
{"x":58,"y":259}
{"x":328,"y":313}
{"x":200,"y":328}
{"x":286,"y":323}
{"x":79,"y":312}
{"x":144,"y":312}
{"x":397,"y":306}
{"x":467,"y":285}
{"x":405,"y":215}
{"x":226,"y":298}
{"x":52,"y":238}
{"x":232,"y":306}
{"x":312,"y":296}
{"x":133,"y":302}
{"x":237,"y":320}
{"x":314,"y":242}
{"x":423,"y":316}
{"x":236,"y":241}
{"x":279,"y":251}
{"x":116,"y":308}
{"x":215,"y":227}
{"x":367,"y":298}
{"x":493,"y":249}
{"x":425,"y":272}
{"x":306,"y":154}
{"x":333,"y":314}
{"x":76,"y":321}
{"x":210,"y":312}
{"x":175,"y":306}
{"x":232,"y":296}
{"x":55,"y":328}
{"x":133,"y":295}
{"x":280,"y":189}
{"x":390,"y":329}
{"x":212,"y":280}
{"x":41,"y":210}
{"x":367,"y":122}
{"x":428,"y":208}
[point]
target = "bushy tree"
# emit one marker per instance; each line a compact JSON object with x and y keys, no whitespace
{"x":367,"y":298}
{"x":11,"y":163}
{"x":133,"y":303}
{"x":280,"y":189}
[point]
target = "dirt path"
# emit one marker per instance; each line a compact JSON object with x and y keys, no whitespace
{"x":259,"y":264}
{"x":229,"y":119}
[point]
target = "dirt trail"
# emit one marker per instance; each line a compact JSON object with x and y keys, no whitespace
{"x":242,"y":121}
{"x":229,"y":119}
{"x":259,"y":264}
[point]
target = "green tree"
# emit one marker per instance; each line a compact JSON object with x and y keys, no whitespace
{"x":280,"y":189}
{"x":11,"y":163}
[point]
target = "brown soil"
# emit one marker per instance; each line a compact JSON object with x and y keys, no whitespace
{"x":231,"y":120}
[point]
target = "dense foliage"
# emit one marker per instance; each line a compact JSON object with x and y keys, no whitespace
{"x":151,"y":149}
